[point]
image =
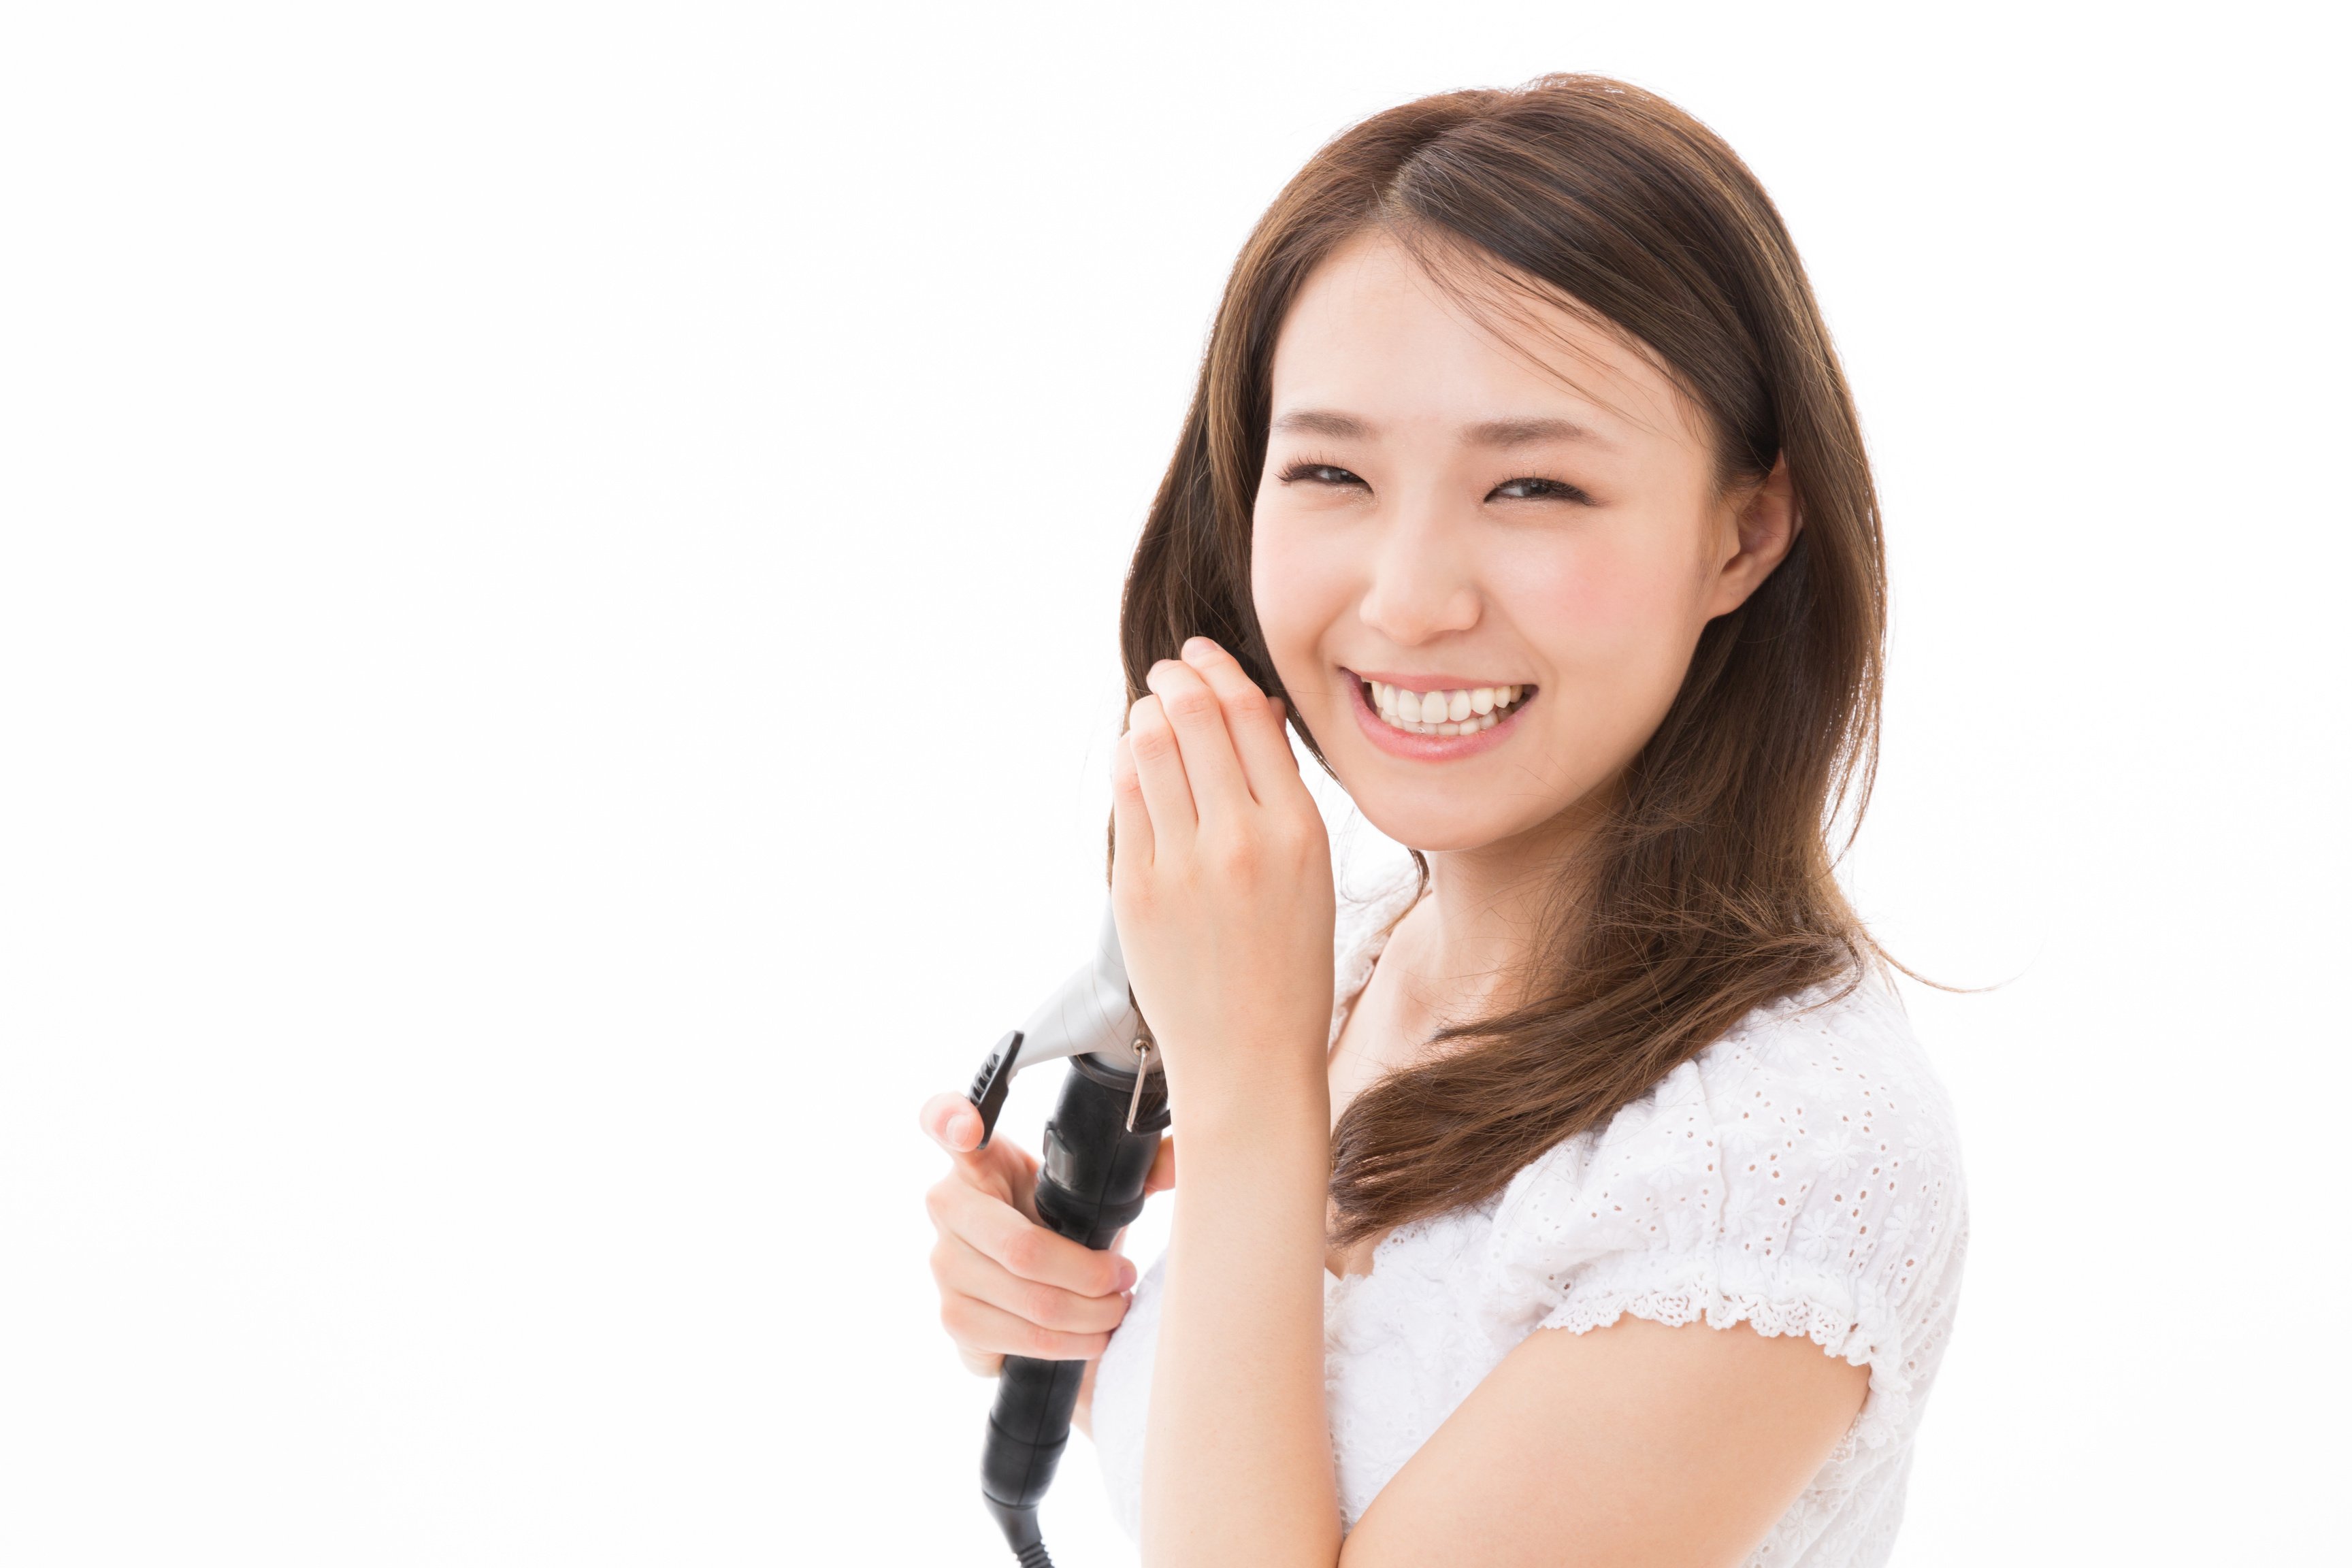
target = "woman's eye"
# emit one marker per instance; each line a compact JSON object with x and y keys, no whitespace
{"x":1319,"y":474}
{"x":1540,"y":490}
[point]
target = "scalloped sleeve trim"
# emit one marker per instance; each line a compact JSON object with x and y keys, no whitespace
{"x":1676,"y":1290}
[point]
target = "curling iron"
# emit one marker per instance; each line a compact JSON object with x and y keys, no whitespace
{"x":1099,"y":1148}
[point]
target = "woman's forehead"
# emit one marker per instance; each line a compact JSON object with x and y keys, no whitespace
{"x":1379,"y":335}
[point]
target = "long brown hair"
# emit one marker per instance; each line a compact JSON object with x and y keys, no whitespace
{"x":1708,"y":889}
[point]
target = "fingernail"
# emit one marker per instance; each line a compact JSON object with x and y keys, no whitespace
{"x":1126,"y":1275}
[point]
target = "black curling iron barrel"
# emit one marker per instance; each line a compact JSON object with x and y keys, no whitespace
{"x":1099,"y":1148}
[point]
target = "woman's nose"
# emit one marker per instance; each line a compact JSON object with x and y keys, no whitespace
{"x":1423,"y":585}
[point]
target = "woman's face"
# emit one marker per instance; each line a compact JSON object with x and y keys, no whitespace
{"x":1481,"y":585}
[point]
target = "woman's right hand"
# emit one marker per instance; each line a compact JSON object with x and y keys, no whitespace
{"x":1007,"y":1285}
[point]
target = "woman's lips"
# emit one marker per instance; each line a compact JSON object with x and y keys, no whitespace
{"x":1485,"y":729}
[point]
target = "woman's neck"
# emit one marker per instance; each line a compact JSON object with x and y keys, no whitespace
{"x":1484,"y":913}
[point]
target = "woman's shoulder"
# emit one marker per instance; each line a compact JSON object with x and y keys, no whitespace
{"x":1801,"y":1174}
{"x":1830,"y":1080}
{"x":1825,"y":1077}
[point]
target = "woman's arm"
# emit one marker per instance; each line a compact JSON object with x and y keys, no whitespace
{"x":1221,"y":882}
{"x":1633,"y":1445}
{"x":1636,"y":1444}
{"x":1238,"y":1451}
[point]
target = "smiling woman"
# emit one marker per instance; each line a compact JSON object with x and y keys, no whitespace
{"x":1522,"y":481}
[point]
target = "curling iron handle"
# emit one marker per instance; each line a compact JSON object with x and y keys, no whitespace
{"x":1089,"y":1188}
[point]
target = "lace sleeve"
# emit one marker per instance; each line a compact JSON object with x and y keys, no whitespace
{"x":1800,"y":1176}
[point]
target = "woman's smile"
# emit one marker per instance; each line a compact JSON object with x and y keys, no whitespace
{"x":1435,"y":718}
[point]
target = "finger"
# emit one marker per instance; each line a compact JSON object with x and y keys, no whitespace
{"x":1253,"y":720}
{"x":1211,"y":764}
{"x":952,"y":1123}
{"x":977,"y":1327}
{"x":1159,"y":769}
{"x":955,"y":1127}
{"x":961,"y":1270}
{"x":1130,"y":818}
{"x":1161,"y":1177}
{"x":997,"y":1230}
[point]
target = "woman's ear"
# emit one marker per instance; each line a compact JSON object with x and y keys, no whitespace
{"x":1766,"y":521}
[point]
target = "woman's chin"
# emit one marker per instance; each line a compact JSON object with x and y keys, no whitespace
{"x":1438,"y":827}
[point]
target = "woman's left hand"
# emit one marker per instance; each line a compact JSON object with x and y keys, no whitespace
{"x":1220,"y":884}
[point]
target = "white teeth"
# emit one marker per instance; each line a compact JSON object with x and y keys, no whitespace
{"x":1460,"y":712}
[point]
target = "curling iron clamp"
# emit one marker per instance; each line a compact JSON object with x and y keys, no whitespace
{"x":1099,"y":1148}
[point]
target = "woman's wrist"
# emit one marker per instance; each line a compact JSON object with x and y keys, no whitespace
{"x":1279,"y":1105}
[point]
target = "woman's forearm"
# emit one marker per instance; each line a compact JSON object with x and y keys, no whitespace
{"x":1238,"y":1453}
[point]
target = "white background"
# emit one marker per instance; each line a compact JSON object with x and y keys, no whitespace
{"x":556,"y":668}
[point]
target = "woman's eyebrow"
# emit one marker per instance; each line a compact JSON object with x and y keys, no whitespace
{"x":1325,"y":422}
{"x":1526,"y":432}
{"x":1501,"y":433}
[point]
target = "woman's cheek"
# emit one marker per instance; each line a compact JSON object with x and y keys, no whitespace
{"x":1298,"y":583}
{"x":1614,"y":628}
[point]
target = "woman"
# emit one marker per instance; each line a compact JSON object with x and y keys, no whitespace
{"x":1521,"y":480}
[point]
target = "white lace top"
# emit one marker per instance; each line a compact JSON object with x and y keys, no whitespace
{"x":1801,"y":1174}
